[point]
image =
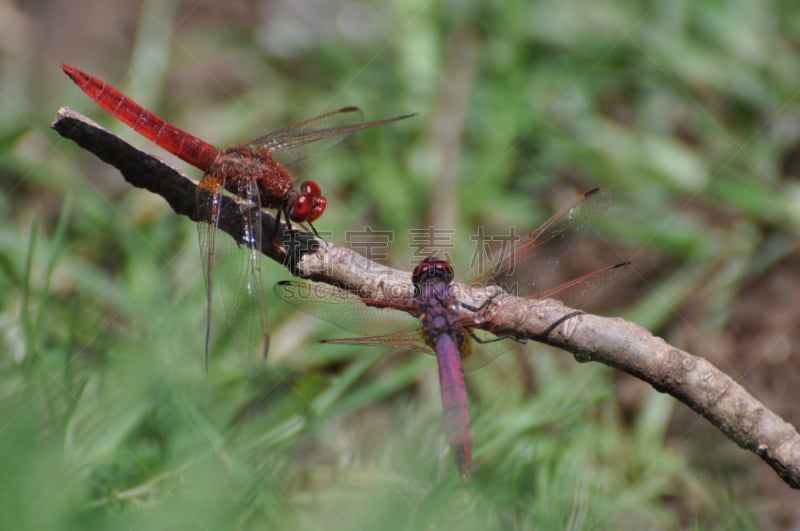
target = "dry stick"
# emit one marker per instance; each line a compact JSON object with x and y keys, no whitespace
{"x":614,"y":342}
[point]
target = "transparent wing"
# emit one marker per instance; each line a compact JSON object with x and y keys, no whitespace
{"x":521,"y":268}
{"x":579,"y":291}
{"x":245,"y":306}
{"x":408,"y":340}
{"x":296,"y":142}
{"x":233,"y":268}
{"x":475,"y":356}
{"x":347,"y":310}
{"x":575,"y":293}
{"x":209,"y":195}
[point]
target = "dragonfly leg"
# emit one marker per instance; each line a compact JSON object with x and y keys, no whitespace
{"x":291,"y":229}
{"x":485,"y":340}
{"x":483,"y":305}
{"x":552,"y":327}
{"x":281,"y":245}
{"x":293,"y":243}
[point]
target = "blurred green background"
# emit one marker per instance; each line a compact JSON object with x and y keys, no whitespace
{"x":688,"y":111}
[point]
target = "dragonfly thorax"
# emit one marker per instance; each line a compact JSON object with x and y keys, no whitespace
{"x":246,"y":173}
{"x":255,"y":175}
{"x":438,"y":305}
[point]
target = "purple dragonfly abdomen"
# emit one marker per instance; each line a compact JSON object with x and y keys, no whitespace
{"x":455,"y":402}
{"x":444,"y":333}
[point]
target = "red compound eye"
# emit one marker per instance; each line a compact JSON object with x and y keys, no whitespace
{"x":302,"y":208}
{"x":318,"y":208}
{"x":310,"y":188}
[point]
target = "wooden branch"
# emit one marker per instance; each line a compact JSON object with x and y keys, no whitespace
{"x":614,"y":342}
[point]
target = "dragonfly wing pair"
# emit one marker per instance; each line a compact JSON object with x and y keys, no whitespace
{"x":358,"y":315}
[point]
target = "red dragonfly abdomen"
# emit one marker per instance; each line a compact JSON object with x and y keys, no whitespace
{"x":455,"y":402}
{"x":178,"y":142}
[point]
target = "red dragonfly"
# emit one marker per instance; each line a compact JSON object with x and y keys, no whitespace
{"x":251,"y":171}
{"x":453,"y":338}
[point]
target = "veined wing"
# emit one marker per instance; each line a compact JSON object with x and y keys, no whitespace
{"x":234,"y":267}
{"x":522,"y":269}
{"x":352,"y":313}
{"x":474,"y":356}
{"x":579,"y":291}
{"x":294,"y":143}
{"x":407,"y":339}
{"x":575,"y":293}
{"x":209,"y":202}
{"x":347,"y":310}
{"x":244,"y":298}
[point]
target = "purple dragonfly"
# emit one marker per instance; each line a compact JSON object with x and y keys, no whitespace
{"x":433,"y":321}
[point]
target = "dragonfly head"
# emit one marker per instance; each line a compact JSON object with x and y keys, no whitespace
{"x":432,"y":269}
{"x":309,"y":205}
